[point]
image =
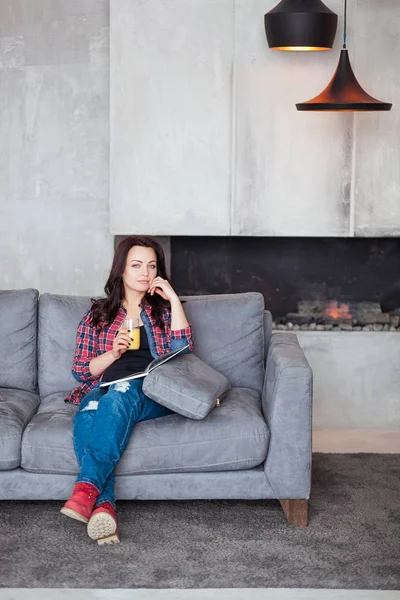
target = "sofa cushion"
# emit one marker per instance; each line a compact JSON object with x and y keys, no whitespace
{"x":187,"y":385}
{"x":59,"y":317}
{"x":229,"y":335}
{"x":18,"y":328}
{"x":17,"y":407}
{"x":233,"y":436}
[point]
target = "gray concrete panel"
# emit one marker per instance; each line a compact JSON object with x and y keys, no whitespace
{"x":54,"y":172}
{"x":58,"y":252}
{"x":377,"y":169}
{"x":52,"y":31}
{"x":171,"y":66}
{"x":292,"y":169}
{"x":356,"y":378}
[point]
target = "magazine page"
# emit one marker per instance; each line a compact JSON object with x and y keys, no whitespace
{"x":127,"y":378}
{"x":162,"y":359}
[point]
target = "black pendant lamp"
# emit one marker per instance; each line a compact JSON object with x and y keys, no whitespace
{"x":344,"y":93}
{"x":300,"y":25}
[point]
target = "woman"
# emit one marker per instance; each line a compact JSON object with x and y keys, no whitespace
{"x":137,"y":287}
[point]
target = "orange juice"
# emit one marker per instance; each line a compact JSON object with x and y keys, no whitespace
{"x":135,"y":336}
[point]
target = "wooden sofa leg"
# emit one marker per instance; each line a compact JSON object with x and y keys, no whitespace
{"x":296,"y":511}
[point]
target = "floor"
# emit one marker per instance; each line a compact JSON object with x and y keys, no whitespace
{"x":357,"y":440}
{"x":209,"y":594}
{"x":323,"y":441}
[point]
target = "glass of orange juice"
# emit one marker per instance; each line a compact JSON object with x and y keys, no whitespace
{"x":133,"y":327}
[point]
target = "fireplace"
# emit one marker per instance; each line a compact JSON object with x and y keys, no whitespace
{"x":326,"y":290}
{"x":308,"y":283}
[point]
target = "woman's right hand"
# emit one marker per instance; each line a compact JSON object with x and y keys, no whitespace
{"x":120,"y":343}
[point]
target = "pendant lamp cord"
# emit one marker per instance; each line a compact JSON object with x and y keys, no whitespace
{"x":345,"y":24}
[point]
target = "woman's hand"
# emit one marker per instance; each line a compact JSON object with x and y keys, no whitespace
{"x":121,"y":343}
{"x":163,"y":288}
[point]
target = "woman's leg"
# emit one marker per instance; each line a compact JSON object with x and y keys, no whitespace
{"x":80,"y":504}
{"x":83,"y":421}
{"x":148,"y":410}
{"x":123,"y":405}
{"x":82,"y":429}
{"x":102,"y":525}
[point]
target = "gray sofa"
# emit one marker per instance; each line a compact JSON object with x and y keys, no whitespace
{"x":255,"y":445}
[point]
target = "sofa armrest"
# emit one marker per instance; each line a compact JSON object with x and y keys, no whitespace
{"x":287,"y":408}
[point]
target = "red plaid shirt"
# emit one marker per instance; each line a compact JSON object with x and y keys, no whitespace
{"x":91,"y":343}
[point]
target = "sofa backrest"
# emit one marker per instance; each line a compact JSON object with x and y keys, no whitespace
{"x":59,"y":317}
{"x":228,"y":335}
{"x":228,"y":331}
{"x":267,"y":331}
{"x":18,"y":331}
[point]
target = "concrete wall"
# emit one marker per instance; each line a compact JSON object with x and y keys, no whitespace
{"x":206,"y":138}
{"x":204,"y":128}
{"x":54,"y":145}
{"x":356,"y":378}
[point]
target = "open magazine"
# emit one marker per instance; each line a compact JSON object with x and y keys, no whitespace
{"x":157,"y":362}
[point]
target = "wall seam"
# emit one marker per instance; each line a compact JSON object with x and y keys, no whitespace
{"x":352,"y":225}
{"x":232,"y":192}
{"x":353,"y":179}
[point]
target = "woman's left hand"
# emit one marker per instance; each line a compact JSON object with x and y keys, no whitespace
{"x":163,"y":288}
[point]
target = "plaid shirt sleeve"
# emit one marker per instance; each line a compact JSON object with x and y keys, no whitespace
{"x":179,"y":337}
{"x":86,"y":349}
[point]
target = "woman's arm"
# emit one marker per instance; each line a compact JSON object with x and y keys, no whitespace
{"x":120,"y":345}
{"x":100,"y":363}
{"x":178,"y":317}
{"x":163,"y":288}
{"x":87,"y":365}
{"x":181,"y":331}
{"x":86,"y":348}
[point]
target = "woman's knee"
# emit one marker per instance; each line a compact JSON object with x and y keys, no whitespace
{"x":87,"y":409}
{"x":83,"y":420}
{"x":90,"y":400}
{"x":126,"y":391}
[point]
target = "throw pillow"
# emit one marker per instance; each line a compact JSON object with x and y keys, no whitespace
{"x":187,"y":385}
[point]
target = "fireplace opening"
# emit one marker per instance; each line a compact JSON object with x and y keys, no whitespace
{"x":308,"y":283}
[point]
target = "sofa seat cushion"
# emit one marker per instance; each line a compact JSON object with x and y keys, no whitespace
{"x":17,"y":407}
{"x":233,"y":436}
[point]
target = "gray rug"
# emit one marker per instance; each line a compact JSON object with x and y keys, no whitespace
{"x":353,"y":540}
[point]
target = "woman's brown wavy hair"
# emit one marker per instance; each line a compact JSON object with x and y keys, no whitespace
{"x":104,"y":310}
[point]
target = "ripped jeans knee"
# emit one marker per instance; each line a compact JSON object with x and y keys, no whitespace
{"x":122,"y":386}
{"x":92,"y":405}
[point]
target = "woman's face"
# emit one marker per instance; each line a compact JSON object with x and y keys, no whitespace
{"x":140,"y":269}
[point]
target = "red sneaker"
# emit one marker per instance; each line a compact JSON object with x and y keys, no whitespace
{"x":80,"y":504}
{"x":103,"y":525}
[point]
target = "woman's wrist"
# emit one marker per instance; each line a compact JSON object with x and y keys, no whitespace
{"x":178,"y":317}
{"x":174,"y":301}
{"x":99,"y":364}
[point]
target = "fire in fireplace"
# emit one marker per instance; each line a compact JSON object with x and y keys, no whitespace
{"x":333,"y":315}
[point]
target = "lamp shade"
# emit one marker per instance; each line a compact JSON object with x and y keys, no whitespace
{"x":344,"y":93}
{"x":300,"y":25}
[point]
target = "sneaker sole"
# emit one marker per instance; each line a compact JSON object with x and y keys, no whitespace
{"x":68,"y":512}
{"x":102,"y":528}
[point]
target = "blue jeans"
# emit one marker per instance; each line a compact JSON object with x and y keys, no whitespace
{"x":102,"y":428}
